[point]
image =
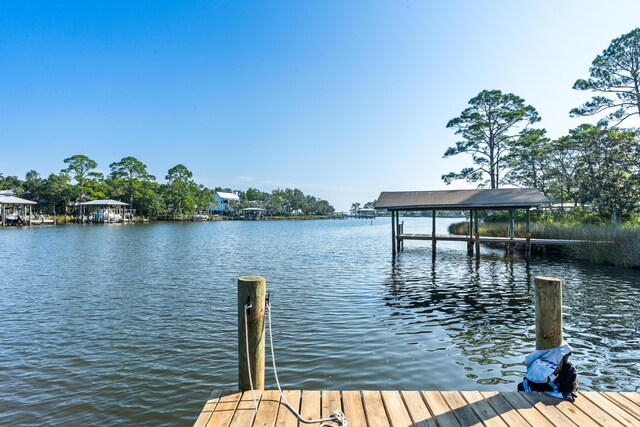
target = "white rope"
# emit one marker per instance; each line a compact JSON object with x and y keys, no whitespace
{"x":336,"y":416}
{"x":246,"y":337}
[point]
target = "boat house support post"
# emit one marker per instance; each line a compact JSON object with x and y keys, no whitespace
{"x":433,"y":234}
{"x":398,"y":231}
{"x":512,"y":225}
{"x":470,"y":233}
{"x":393,"y":233}
{"x":527,"y":249}
{"x":477,"y":234}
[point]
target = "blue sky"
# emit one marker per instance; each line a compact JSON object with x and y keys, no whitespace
{"x":342,"y":99}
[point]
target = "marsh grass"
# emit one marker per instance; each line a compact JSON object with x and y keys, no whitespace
{"x":606,"y":244}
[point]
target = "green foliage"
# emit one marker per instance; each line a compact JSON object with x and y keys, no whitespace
{"x":615,"y":76}
{"x":129,"y":178}
{"x":488,"y":128}
{"x":181,"y":190}
{"x":81,"y":169}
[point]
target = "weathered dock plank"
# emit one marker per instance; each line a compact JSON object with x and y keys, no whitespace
{"x":285,"y":417}
{"x":353,"y":408}
{"x":396,"y":410}
{"x":487,"y":414}
{"x":374,"y":409}
{"x":424,"y":409}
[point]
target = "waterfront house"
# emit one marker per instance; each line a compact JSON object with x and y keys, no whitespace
{"x":224,"y":202}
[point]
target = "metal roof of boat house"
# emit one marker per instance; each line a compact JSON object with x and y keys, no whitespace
{"x":11,"y":200}
{"x":503,"y":198}
{"x":108,"y":202}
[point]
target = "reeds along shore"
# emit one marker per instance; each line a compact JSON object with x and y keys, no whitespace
{"x":617,"y":245}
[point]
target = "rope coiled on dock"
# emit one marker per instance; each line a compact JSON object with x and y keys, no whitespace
{"x":336,"y":416}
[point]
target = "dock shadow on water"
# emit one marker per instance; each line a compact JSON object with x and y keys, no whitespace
{"x":137,"y":325}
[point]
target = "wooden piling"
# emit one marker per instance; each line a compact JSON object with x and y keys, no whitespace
{"x":398,"y":231}
{"x":548,"y":312}
{"x":470,"y":241}
{"x":433,"y":234}
{"x":393,"y":233}
{"x":251,"y":290}
{"x":527,"y":248}
{"x":477,"y":233}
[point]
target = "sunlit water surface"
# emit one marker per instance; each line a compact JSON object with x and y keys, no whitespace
{"x":136,"y":324}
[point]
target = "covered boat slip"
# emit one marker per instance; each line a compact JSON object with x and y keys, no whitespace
{"x":15,"y":211}
{"x":105,"y":211}
{"x":422,"y":408}
{"x":472,"y":201}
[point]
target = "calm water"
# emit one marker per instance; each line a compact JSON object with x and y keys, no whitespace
{"x":112,"y":325}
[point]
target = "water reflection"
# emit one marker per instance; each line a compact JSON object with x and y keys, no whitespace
{"x":487,"y":309}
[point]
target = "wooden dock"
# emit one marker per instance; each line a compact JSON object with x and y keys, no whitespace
{"x":426,"y":408}
{"x":489,"y":239}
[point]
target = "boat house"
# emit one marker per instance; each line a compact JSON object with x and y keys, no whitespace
{"x":14,"y":210}
{"x":472,"y":201}
{"x":105,"y":211}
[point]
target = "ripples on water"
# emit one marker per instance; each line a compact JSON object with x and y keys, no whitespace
{"x":109,"y":325}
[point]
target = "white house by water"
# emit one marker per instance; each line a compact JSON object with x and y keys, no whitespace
{"x":224,"y":202}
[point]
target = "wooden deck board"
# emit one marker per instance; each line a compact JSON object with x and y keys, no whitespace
{"x":441,"y":411}
{"x":374,"y":409}
{"x":611,"y":408}
{"x":224,"y":410}
{"x":507,"y":412}
{"x":418,"y":409}
{"x":396,"y":411}
{"x":480,"y":406}
{"x":268,"y":409}
{"x":570,"y":410}
{"x":245,"y":411}
{"x":353,"y":408}
{"x":209,"y":406}
{"x":423,"y":409}
{"x":330,"y":402}
{"x":285,"y":417}
{"x":625,"y":404}
{"x":310,"y":408}
{"x":461,"y":409}
{"x":539,"y":403}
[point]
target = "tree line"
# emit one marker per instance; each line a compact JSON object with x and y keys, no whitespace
{"x":593,"y":165}
{"x":130,"y":181}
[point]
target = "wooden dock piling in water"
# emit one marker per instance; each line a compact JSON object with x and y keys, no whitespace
{"x":252,"y":291}
{"x":548,"y":312}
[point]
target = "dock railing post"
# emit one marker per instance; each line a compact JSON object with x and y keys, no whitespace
{"x":548,"y":302}
{"x":252,"y":290}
